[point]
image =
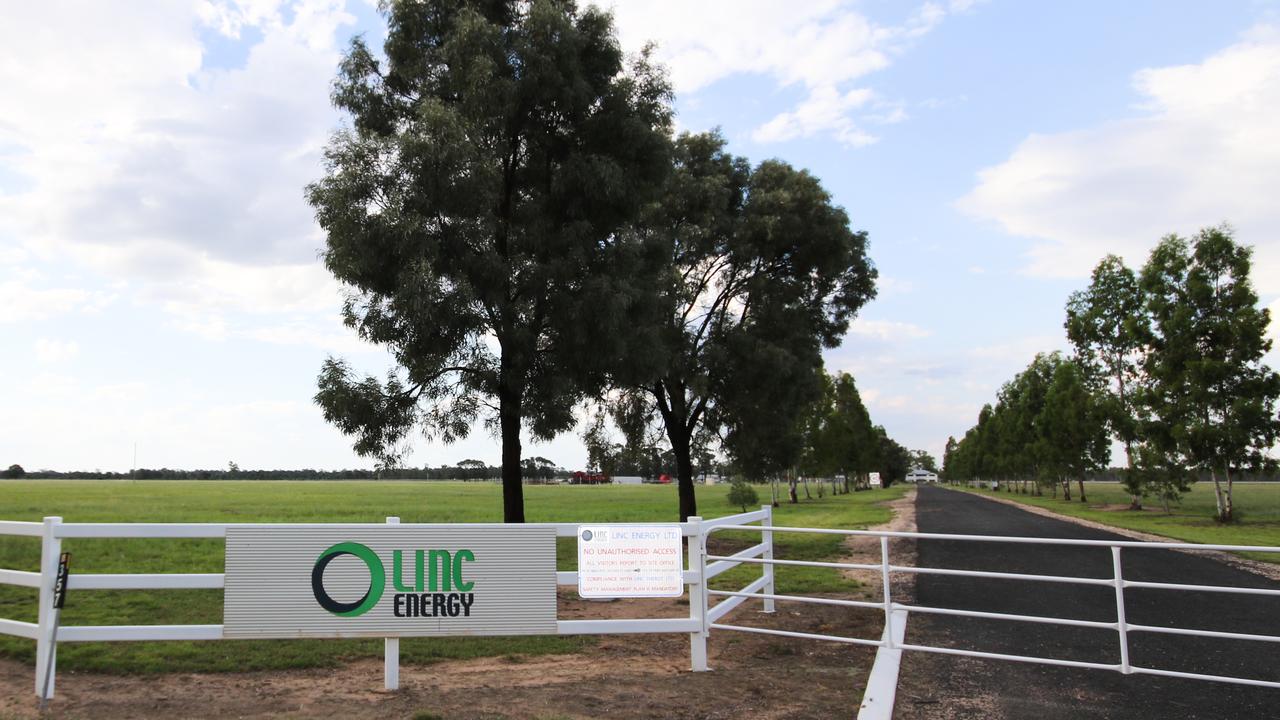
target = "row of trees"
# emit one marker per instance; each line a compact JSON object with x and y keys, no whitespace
{"x":534,"y":468}
{"x":518,"y":227}
{"x":832,"y":437}
{"x":839,"y":438}
{"x":1168,"y":362}
{"x":1046,"y":429}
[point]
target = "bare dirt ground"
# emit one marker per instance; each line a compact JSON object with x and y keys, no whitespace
{"x":631,"y":676}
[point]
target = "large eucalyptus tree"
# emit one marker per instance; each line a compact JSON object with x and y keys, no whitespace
{"x":1107,"y":325}
{"x":1211,"y":399}
{"x":474,"y":208}
{"x":763,"y":272}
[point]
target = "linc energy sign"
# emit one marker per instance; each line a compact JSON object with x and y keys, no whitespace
{"x":389,"y":581}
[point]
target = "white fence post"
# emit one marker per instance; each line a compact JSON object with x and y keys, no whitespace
{"x":888,"y":602}
{"x":768,"y":555}
{"x":46,"y":648}
{"x":698,"y":595}
{"x":1121,"y":625}
{"x":391,"y":649}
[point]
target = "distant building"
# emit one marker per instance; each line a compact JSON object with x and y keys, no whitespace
{"x":919,"y":475}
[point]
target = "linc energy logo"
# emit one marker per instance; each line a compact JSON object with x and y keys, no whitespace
{"x":437,"y":573}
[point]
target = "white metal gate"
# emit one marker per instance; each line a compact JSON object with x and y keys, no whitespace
{"x":895,"y":612}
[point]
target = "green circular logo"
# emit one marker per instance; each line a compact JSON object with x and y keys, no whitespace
{"x":377,"y":579}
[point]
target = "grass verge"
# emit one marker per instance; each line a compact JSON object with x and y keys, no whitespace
{"x":1192,"y":520}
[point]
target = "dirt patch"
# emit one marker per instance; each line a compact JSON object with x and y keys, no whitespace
{"x":864,"y":549}
{"x":1267,"y":570}
{"x":1119,"y":507}
{"x":923,"y":694}
{"x":631,"y":676}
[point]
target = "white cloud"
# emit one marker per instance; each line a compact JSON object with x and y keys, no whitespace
{"x":1206,"y":149}
{"x":821,"y":45}
{"x":825,"y":111}
{"x":53,"y":351}
{"x":181,"y":181}
{"x":887,"y":330}
{"x":888,"y":286}
{"x":141,"y":161}
{"x":21,"y":301}
{"x":1021,"y":351}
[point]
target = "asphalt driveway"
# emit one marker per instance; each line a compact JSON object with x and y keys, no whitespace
{"x":934,"y":686}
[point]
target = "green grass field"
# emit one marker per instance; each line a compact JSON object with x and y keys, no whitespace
{"x":1257,"y":509}
{"x":288,"y":502}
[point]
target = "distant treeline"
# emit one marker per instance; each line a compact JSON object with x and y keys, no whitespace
{"x":465,"y":470}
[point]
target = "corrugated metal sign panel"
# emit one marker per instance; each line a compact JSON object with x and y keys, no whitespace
{"x":346,"y":581}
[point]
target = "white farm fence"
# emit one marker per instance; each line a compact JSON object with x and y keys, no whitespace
{"x":700,"y":568}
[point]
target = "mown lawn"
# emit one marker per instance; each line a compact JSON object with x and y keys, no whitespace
{"x":1257,"y":509}
{"x":286,"y":502}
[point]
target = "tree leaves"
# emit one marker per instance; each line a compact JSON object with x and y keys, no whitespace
{"x":476,"y":208}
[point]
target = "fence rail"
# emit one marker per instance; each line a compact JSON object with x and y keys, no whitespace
{"x":699,"y":569}
{"x":53,"y":531}
{"x":1120,"y":626}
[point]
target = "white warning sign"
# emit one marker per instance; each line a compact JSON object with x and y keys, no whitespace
{"x":620,"y":561}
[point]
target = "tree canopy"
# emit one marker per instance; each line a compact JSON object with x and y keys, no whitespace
{"x":1209,"y":399}
{"x":1107,"y":326}
{"x":762,"y":272}
{"x":474,"y":207}
{"x":1169,"y":361}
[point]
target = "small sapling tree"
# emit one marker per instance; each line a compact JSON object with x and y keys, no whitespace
{"x":743,"y":495}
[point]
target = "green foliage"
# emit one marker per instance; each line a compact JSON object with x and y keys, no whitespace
{"x":924,"y":460}
{"x":1210,"y":400}
{"x":1191,"y":520}
{"x":1071,"y":426}
{"x":1169,"y":362}
{"x":1048,"y":427}
{"x":14,"y":472}
{"x":895,"y":460}
{"x":494,"y":156}
{"x":847,"y":443}
{"x":762,"y":272}
{"x":743,"y":495}
{"x":1108,"y":328}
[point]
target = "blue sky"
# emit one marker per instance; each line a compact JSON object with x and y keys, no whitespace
{"x":158,"y":274}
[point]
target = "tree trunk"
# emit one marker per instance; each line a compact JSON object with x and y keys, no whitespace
{"x":675,"y":418}
{"x":807,"y":496}
{"x":1080,"y":481}
{"x":773,"y":484}
{"x":791,"y":487}
{"x":1066,"y":489}
{"x":1135,"y":498}
{"x":1230,"y":508}
{"x":509,"y":401}
{"x":1220,"y":498}
{"x":684,"y":473}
